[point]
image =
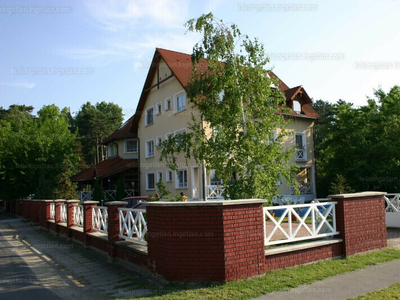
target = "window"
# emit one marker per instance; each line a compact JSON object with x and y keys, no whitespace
{"x":180,"y":102}
{"x":131,"y":146}
{"x":179,"y":136}
{"x":159,"y":176}
{"x":181,"y":179}
{"x":150,"y":184}
{"x":168,"y":104}
{"x":112,"y":150}
{"x":168,"y":135}
{"x":214,"y":180}
{"x":158,"y":141}
{"x":149,"y":116}
{"x":300,"y":140}
{"x":150,"y":148}
{"x":169,"y":176}
{"x":297,"y":106}
{"x":158,"y":108}
{"x":274,"y":137}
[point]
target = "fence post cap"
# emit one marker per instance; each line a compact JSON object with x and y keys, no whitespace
{"x":73,"y":201}
{"x":358,"y":195}
{"x":90,"y":202}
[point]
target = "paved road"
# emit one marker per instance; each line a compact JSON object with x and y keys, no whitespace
{"x":34,"y":265}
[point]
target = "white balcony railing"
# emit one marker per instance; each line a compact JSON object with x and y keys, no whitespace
{"x":301,"y":155}
{"x":132,"y":225}
{"x":304,"y":188}
{"x":86,"y":195}
{"x":392,"y":203}
{"x":215,"y":192}
{"x":78,"y":215}
{"x":63,"y":213}
{"x":108,"y":195}
{"x":52,"y":211}
{"x":316,"y":220}
{"x":100,"y":219}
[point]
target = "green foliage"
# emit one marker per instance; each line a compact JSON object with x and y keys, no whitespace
{"x":163,"y":193}
{"x":120,"y":193}
{"x":37,"y":154}
{"x":97,"y":192}
{"x":340,"y":186}
{"x":94,"y":124}
{"x":359,"y":144}
{"x":237,"y":113}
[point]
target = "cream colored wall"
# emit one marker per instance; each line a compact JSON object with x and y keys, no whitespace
{"x":298,"y":125}
{"x":121,"y":149}
{"x":166,"y":122}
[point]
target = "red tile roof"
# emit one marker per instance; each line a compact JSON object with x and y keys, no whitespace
{"x":181,"y":67}
{"x":106,"y":168}
{"x":122,"y":133}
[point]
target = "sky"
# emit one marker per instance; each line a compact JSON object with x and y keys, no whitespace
{"x":71,"y":52}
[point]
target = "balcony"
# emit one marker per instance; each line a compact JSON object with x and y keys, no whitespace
{"x":301,"y":155}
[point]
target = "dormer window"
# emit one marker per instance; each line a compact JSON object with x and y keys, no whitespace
{"x":131,"y":146}
{"x":297,"y":106}
{"x":112,"y":150}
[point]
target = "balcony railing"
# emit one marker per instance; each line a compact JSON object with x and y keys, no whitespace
{"x":301,"y":155}
{"x":215,"y":192}
{"x":316,"y":220}
{"x":100,"y":219}
{"x":304,"y":188}
{"x":132,"y":225}
{"x":78,"y":215}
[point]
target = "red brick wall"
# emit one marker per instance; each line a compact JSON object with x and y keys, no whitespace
{"x":243,"y":241}
{"x":206,"y":243}
{"x":98,"y":243}
{"x":361,"y":223}
{"x":132,"y":256}
{"x":77,"y":235}
{"x":290,"y":259}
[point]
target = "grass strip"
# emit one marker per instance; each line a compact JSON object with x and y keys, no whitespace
{"x":275,"y":280}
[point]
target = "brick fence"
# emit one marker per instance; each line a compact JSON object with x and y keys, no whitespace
{"x":215,"y":240}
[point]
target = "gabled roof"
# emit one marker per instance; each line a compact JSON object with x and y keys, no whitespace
{"x":180,"y":65}
{"x":122,"y":133}
{"x":106,"y":168}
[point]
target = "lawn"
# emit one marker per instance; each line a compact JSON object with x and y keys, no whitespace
{"x":275,"y":280}
{"x":391,"y":292}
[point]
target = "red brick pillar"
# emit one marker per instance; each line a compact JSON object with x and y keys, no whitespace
{"x":35,"y":210}
{"x":206,"y":241}
{"x":360,"y":221}
{"x":70,"y":216}
{"x":113,"y":226}
{"x":87,"y":220}
{"x":44,"y":213}
{"x":18,"y":206}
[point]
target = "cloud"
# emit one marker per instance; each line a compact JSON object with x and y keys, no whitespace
{"x":26,"y":85}
{"x":123,"y":14}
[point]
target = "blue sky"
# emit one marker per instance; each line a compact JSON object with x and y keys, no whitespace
{"x":335,"y":49}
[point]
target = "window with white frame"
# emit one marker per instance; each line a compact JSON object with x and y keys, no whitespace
{"x":180,"y":101}
{"x":159,"y":141}
{"x":150,"y":181}
{"x":214,"y":179}
{"x":131,"y":146}
{"x":159,"y":176}
{"x":168,"y":135}
{"x":149,"y":148}
{"x":168,"y":104}
{"x":112,"y":149}
{"x":179,"y":136}
{"x":181,"y":179}
{"x":297,"y":106}
{"x":149,"y":116}
{"x":158,"y":108}
{"x":169,"y":176}
{"x":300,"y":140}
